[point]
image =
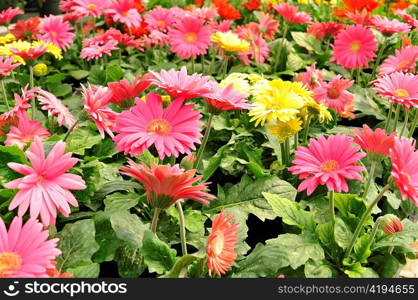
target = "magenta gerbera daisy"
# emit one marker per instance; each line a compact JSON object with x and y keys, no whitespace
{"x":189,"y":37}
{"x":172,"y":130}
{"x":159,"y":18}
{"x":328,"y":161}
{"x":387,"y":26}
{"x":354,"y":47}
{"x":403,"y":61}
{"x":124,"y":11}
{"x":55,"y":30}
{"x":55,"y":107}
{"x":92,"y":8}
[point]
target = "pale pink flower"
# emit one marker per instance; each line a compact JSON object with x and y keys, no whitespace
{"x":159,"y":19}
{"x":403,"y":61}
{"x":55,"y":107}
{"x":7,"y":65}
{"x":96,"y":51}
{"x":124,"y":11}
{"x":92,"y":8}
{"x":387,"y":26}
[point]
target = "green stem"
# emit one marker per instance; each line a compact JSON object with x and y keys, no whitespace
{"x":389,"y":117}
{"x":305,"y":136}
{"x":31,"y":84}
{"x":172,"y":160}
{"x":405,"y":122}
{"x":3,"y":87}
{"x":370,"y":177}
{"x":193,"y":66}
{"x":154,"y":222}
{"x":71,"y":130}
{"x":202,"y":62}
{"x":200,"y":265}
{"x":287,"y":151}
{"x":374,"y":230}
{"x":51,"y":124}
{"x":414,"y":124}
{"x":378,"y":58}
{"x":364,"y":217}
{"x":224,"y":67}
{"x":182,"y":229}
{"x":332,"y":208}
{"x":296,"y":140}
{"x":358,"y":76}
{"x":282,"y":152}
{"x":280,"y":46}
{"x":395,"y":123}
{"x":204,"y":141}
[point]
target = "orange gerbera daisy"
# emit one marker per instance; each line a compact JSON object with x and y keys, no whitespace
{"x":355,"y":6}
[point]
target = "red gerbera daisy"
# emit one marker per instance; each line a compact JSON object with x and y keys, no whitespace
{"x":26,"y":29}
{"x":376,"y":143}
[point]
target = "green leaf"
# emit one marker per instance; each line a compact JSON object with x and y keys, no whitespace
{"x":130,"y":262}
{"x":342,"y":233}
{"x":306,"y":41}
{"x":319,"y":208}
{"x":77,"y":243}
{"x":81,"y":140}
{"x":120,"y":202}
{"x":318,"y":269}
{"x":114,"y":73}
{"x":157,"y":255}
{"x":79,"y":74}
{"x":358,"y":271}
{"x":351,"y":208}
{"x":213,"y":163}
{"x":325,"y":233}
{"x":386,"y":265}
{"x":105,"y":237}
{"x":128,"y":228}
{"x":85,"y":271}
{"x":366,"y":104}
{"x":295,"y":62}
{"x":10,"y":154}
{"x":299,"y":248}
{"x":180,"y":264}
{"x":362,"y":249}
{"x":290,"y":212}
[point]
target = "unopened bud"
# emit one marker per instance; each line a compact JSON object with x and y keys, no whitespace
{"x":188,"y":162}
{"x":40,"y":70}
{"x":391,"y":224}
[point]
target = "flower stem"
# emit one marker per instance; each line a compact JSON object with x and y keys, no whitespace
{"x":358,"y":76}
{"x":414,"y":124}
{"x":5,"y":94}
{"x":182,"y":229}
{"x":395,"y":123}
{"x":378,"y":58}
{"x":363,"y":219}
{"x":204,"y":141}
{"x":202,"y":62}
{"x":282,"y":152}
{"x":296,"y":141}
{"x":287,"y":150}
{"x":224,"y":67}
{"x":31,"y":85}
{"x":193,"y":66}
{"x":305,"y":136}
{"x":370,"y":177}
{"x":71,"y":130}
{"x":389,"y":117}
{"x":154,"y":222}
{"x":374,"y":230}
{"x":280,"y":46}
{"x":332,"y":208}
{"x":405,"y":122}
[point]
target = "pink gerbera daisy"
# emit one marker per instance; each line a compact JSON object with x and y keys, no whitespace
{"x":30,"y":54}
{"x":45,"y":185}
{"x":189,"y":38}
{"x":96,"y":51}
{"x":21,"y":102}
{"x":55,"y":107}
{"x":92,"y":8}
{"x":404,"y":159}
{"x":354,"y":47}
{"x":403,"y":61}
{"x":376,"y":143}
{"x":387,"y":26}
{"x":291,"y":14}
{"x":55,"y":30}
{"x":25,"y":132}
{"x":227,"y":98}
{"x":6,"y":16}
{"x":399,"y":87}
{"x":96,"y":100}
{"x":172,"y":130}
{"x":325,"y":29}
{"x":159,"y":19}
{"x":407,"y":18}
{"x":328,"y":162}
{"x":222,"y":243}
{"x":124,"y":11}
{"x":334,"y":94}
{"x":25,"y":250}
{"x":312,"y":78}
{"x":268,"y":25}
{"x":179,"y":84}
{"x":7,"y":65}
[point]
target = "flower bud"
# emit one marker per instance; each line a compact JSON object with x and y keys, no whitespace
{"x":40,"y":70}
{"x":188,"y":162}
{"x":391,"y":224}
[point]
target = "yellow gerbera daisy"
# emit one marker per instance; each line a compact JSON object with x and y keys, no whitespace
{"x":7,"y":38}
{"x":239,"y":82}
{"x":284,"y":130}
{"x":230,"y":41}
{"x":311,"y":108}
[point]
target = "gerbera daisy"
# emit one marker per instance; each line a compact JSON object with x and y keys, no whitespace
{"x":399,"y":87}
{"x":124,"y":11}
{"x":353,"y":6}
{"x":21,"y":103}
{"x":277,"y":100}
{"x":230,"y":42}
{"x":55,"y":30}
{"x":26,"y":29}
{"x":7,"y":65}
{"x":96,"y":51}
{"x":159,"y":18}
{"x":407,"y":18}
{"x":227,"y":98}
{"x":284,"y":130}
{"x":387,"y":26}
{"x":251,"y":5}
{"x":7,"y":15}
{"x":55,"y":107}
{"x":312,"y":78}
{"x":226,"y":10}
{"x":403,"y":61}
{"x":334,"y":94}
{"x":25,"y":132}
{"x":123,"y":90}
{"x":327,"y":161}
{"x":165,"y":185}
{"x":96,"y":100}
{"x":290,"y":13}
{"x":45,"y":186}
{"x":179,"y":84}
{"x":6,"y":123}
{"x":222,"y":243}
{"x":189,"y":37}
{"x":92,"y":8}
{"x":376,"y":143}
{"x":25,"y":250}
{"x":172,"y":130}
{"x":323,"y":30}
{"x":268,"y":25}
{"x":354,"y":47}
{"x":404,"y":159}
{"x":26,"y":50}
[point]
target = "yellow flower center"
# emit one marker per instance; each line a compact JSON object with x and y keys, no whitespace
{"x":160,"y":23}
{"x":9,"y":263}
{"x":125,"y":13}
{"x":218,"y":243}
{"x":402,"y":93}
{"x":333,"y":93}
{"x":159,"y":126}
{"x":190,"y":37}
{"x":330,"y":166}
{"x":91,"y":6}
{"x":355,"y":47}
{"x":41,"y":179}
{"x":402,"y":65}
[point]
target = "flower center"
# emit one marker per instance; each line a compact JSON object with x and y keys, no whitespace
{"x":330,"y":166}
{"x":41,"y":179}
{"x":91,"y":6}
{"x":355,"y":47}
{"x":125,"y":13}
{"x":402,"y":65}
{"x":9,"y":263}
{"x":159,"y":126}
{"x":402,"y":93}
{"x":218,"y":243}
{"x":160,"y":23}
{"x":333,"y":93}
{"x":190,"y":37}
